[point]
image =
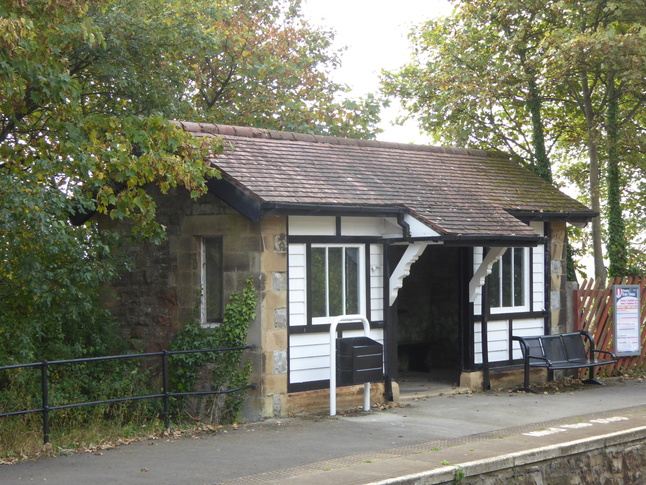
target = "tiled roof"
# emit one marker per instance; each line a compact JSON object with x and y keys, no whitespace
{"x":454,"y":191}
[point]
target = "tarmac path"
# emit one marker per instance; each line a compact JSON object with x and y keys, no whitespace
{"x":324,"y":449}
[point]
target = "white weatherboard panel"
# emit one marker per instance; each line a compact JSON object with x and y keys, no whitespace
{"x":538,"y":270}
{"x":498,"y":341}
{"x":499,"y":337}
{"x":297,"y":287}
{"x":376,"y":269}
{"x":370,"y":226}
{"x":477,"y":260}
{"x":309,"y":357}
{"x":304,"y":351}
{"x":309,"y":363}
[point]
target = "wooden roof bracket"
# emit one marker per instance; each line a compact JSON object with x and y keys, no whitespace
{"x":478,"y":279}
{"x":412,"y":254}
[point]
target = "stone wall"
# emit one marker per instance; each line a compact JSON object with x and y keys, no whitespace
{"x":162,"y":291}
{"x":618,"y":459}
{"x":558,"y":270}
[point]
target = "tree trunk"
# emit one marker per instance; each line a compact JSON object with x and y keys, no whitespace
{"x":617,"y":245}
{"x":534,"y":103}
{"x":595,"y":197}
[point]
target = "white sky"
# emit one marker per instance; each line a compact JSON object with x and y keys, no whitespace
{"x":374,"y":32}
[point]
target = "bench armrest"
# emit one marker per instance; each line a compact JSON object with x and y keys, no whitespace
{"x":611,"y":354}
{"x":593,"y":350}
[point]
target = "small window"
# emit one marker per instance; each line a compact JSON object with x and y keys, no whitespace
{"x":509,"y":281}
{"x":211,"y":274}
{"x":335,"y":281}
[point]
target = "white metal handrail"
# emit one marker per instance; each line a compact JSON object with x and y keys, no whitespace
{"x":366,"y":333}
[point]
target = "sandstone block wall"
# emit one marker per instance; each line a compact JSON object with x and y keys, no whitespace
{"x":162,"y":292}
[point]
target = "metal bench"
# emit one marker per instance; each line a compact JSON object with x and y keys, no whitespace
{"x":560,"y":352}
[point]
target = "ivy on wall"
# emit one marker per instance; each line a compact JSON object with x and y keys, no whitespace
{"x":215,"y":371}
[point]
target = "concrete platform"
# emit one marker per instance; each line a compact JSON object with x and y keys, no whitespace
{"x":423,"y":440}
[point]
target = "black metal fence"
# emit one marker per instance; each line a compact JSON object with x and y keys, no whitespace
{"x":165,"y":395}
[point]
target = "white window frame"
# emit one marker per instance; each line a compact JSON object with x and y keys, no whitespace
{"x":361,"y":284}
{"x":203,"y":283}
{"x":527,"y":289}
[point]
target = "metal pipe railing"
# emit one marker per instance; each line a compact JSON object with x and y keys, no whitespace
{"x":165,"y":394}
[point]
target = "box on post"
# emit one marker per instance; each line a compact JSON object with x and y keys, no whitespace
{"x":358,"y":360}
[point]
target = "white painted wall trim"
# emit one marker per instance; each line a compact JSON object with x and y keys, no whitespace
{"x":412,"y":254}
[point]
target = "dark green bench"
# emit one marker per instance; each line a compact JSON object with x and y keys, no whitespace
{"x":561,"y":352}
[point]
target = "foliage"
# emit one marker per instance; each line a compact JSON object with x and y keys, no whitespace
{"x":539,"y":80}
{"x":86,"y":89}
{"x":217,"y":371}
{"x":473,"y":80}
{"x":263,"y":65}
{"x":235,"y":62}
{"x":71,"y":383}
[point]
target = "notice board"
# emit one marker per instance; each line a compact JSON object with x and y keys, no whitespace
{"x":626,"y":318}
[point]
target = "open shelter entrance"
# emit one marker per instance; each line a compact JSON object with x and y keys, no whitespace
{"x":428,"y":309}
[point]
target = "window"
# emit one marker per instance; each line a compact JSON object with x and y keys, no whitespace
{"x":336,"y":282}
{"x":211,"y":275}
{"x":509,"y":281}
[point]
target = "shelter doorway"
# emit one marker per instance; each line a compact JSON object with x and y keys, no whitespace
{"x":428,"y":318}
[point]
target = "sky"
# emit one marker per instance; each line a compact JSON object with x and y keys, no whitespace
{"x":374,"y":34}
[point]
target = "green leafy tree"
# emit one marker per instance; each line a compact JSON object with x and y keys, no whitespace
{"x":474,"y":80}
{"x":59,"y":159}
{"x":86,"y":92}
{"x":536,"y":79}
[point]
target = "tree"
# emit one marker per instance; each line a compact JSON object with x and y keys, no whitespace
{"x":474,"y":80}
{"x":86,"y":91}
{"x":598,"y":50}
{"x":234,"y":62}
{"x":56,"y":159}
{"x":480,"y":76}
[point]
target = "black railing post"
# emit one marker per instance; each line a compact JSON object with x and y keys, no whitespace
{"x":45,"y":402}
{"x":165,"y":384}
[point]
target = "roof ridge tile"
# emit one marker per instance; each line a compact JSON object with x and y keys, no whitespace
{"x":251,"y":132}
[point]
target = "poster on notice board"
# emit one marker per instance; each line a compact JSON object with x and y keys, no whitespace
{"x":627,"y":318}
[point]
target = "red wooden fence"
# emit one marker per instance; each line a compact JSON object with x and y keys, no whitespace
{"x":593,"y":313}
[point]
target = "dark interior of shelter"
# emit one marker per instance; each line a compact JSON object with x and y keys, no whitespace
{"x":428,"y":326}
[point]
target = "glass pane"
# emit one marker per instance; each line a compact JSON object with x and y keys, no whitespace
{"x":507,"y":282}
{"x":335,"y":281}
{"x":213,"y":293}
{"x":519,"y":277}
{"x":494,"y":286}
{"x":351,"y":281}
{"x":318,"y":286}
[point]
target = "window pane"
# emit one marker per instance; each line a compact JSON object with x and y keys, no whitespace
{"x":335,"y":281}
{"x":318,"y":285}
{"x":507,"y":281}
{"x":519,"y":279}
{"x":351,"y":281}
{"x":213,"y":293}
